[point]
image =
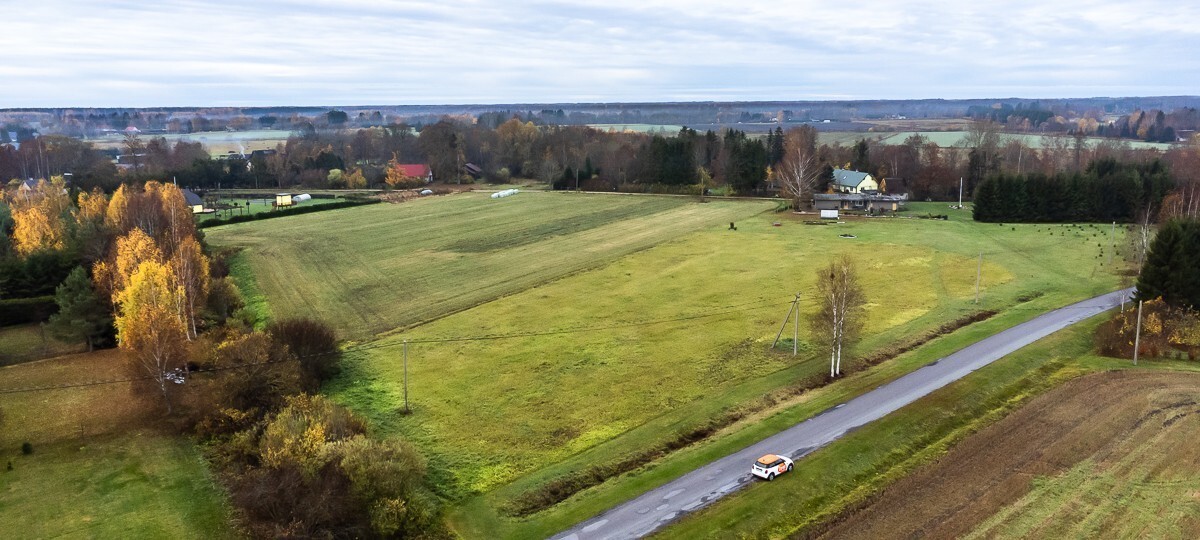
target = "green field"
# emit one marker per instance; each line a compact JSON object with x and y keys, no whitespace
{"x":668,"y":329}
{"x":639,"y":128}
{"x":216,"y":142}
{"x":374,"y":269}
{"x":97,"y":470}
{"x":136,"y":485}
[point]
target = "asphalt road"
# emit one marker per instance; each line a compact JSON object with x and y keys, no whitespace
{"x":694,"y":490}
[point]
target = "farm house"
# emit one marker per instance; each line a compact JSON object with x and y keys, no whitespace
{"x":845,"y":181}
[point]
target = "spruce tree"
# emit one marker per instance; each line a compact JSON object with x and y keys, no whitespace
{"x":82,"y":315}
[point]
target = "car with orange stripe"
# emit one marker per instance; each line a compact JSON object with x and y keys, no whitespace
{"x":770,"y":466}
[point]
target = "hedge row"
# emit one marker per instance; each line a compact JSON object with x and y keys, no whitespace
{"x":285,"y":212}
{"x":26,"y":310}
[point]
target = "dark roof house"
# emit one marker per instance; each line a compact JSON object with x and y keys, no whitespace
{"x":845,"y":181}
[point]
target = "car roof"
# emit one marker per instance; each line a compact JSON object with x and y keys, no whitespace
{"x":768,"y":459}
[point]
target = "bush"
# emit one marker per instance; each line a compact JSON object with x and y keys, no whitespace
{"x":26,"y":448}
{"x":27,"y":310}
{"x":317,"y":474}
{"x":314,"y":345}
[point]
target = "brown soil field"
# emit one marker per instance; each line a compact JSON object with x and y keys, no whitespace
{"x":1109,"y":455}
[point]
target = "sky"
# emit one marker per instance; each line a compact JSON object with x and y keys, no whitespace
{"x":63,"y":53}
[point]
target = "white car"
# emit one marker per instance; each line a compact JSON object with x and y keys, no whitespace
{"x":770,"y":466}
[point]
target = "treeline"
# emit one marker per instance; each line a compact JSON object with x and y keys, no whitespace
{"x":1106,"y":191}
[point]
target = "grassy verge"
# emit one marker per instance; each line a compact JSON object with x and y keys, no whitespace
{"x":244,"y":277}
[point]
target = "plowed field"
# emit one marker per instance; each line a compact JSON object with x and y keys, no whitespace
{"x":1110,"y":455}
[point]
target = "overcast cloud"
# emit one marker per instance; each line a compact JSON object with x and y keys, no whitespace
{"x":315,"y":52}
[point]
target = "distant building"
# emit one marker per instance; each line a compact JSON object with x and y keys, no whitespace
{"x":871,"y":203}
{"x":474,"y":170}
{"x":414,"y":170}
{"x":894,"y":186}
{"x":283,"y":199}
{"x":193,"y":201}
{"x":845,"y":181}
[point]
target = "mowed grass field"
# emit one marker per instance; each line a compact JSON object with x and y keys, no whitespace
{"x":98,"y":470}
{"x":668,"y":329}
{"x":375,"y":269}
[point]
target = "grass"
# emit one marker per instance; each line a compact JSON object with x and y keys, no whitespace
{"x":97,"y":469}
{"x":216,"y":142}
{"x":27,"y":342}
{"x":137,"y":485}
{"x":667,"y":331}
{"x":635,"y":387}
{"x":375,"y":269}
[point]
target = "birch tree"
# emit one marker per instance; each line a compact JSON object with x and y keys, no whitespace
{"x":149,"y":324}
{"x":840,"y":318}
{"x":799,"y":168}
{"x":798,"y":175}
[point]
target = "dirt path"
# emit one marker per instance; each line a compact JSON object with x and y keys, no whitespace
{"x":1080,"y":441}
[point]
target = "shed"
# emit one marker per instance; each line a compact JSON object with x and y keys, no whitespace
{"x":283,"y":199}
{"x":193,"y":201}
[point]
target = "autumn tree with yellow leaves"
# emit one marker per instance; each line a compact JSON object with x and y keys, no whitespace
{"x":40,"y":217}
{"x":149,"y":324}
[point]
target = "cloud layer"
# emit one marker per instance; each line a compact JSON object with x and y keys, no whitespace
{"x":319,"y":52}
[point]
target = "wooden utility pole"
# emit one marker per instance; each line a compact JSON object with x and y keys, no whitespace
{"x":406,"y":409}
{"x":978,"y":276}
{"x":796,"y":332}
{"x":783,"y":326}
{"x":1137,"y":335}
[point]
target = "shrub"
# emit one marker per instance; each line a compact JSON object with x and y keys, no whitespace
{"x":26,"y":448}
{"x":314,"y":345}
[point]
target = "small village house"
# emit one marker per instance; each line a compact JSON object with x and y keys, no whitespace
{"x":415,"y":170}
{"x":845,"y":181}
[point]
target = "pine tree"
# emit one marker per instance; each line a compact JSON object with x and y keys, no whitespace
{"x":82,"y":314}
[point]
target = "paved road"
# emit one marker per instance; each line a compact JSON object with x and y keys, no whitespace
{"x":653,"y":509}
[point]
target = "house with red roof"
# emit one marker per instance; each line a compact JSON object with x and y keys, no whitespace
{"x":416,"y":171}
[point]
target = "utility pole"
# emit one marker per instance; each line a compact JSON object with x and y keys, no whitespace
{"x":960,"y":186}
{"x":796,"y":332}
{"x":782,"y":327}
{"x":1137,"y":336}
{"x":978,"y":276}
{"x":406,"y":409}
